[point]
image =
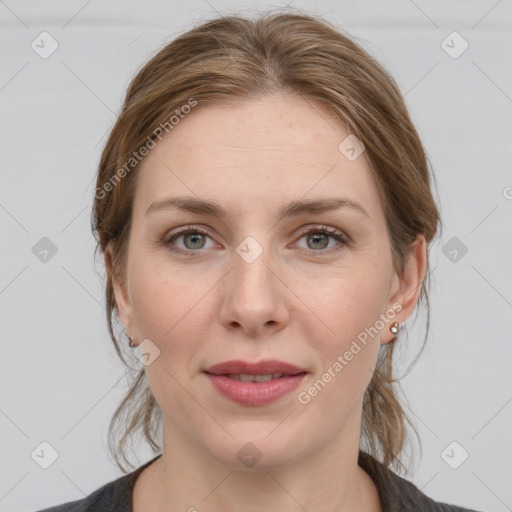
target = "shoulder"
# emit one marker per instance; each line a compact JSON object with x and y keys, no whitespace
{"x":70,"y":506}
{"x":411,"y":498}
{"x":100,"y":500}
{"x":117,"y":492}
{"x":400,"y":495}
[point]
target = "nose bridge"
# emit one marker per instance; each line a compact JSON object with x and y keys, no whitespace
{"x":251,"y":275}
{"x":253,"y":295}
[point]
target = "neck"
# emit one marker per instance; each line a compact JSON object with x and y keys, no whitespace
{"x":185,"y":477}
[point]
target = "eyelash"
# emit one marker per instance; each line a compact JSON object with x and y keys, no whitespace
{"x":339,"y":237}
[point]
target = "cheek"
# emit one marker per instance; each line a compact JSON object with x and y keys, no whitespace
{"x":174,"y":310}
{"x":163,"y":295}
{"x":345,"y":305}
{"x":172,"y":317}
{"x":343,"y":335}
{"x":347,"y":361}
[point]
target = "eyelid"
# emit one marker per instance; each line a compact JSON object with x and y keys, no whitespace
{"x":323,"y":228}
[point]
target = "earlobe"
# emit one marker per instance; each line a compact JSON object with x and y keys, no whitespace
{"x":407,"y":288}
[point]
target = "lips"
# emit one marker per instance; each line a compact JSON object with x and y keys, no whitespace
{"x":255,"y":383}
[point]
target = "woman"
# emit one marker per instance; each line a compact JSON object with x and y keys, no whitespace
{"x":264,"y":208}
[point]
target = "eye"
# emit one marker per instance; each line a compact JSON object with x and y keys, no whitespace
{"x":318,"y":238}
{"x":193,"y":240}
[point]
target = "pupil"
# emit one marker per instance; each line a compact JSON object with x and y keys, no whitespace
{"x":193,"y":236}
{"x":315,"y":238}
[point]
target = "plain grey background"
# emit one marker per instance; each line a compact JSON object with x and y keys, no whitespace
{"x":60,"y":378}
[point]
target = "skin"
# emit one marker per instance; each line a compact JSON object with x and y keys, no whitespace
{"x":298,"y":302}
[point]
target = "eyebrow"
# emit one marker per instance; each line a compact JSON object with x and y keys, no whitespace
{"x":293,"y":208}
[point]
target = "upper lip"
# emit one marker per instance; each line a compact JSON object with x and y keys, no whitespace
{"x":260,"y":368}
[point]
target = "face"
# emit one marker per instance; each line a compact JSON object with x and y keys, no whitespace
{"x":253,"y":285}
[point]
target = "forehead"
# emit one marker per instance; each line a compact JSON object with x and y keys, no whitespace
{"x":256,"y":152}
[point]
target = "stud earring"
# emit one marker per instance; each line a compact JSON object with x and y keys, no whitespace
{"x":395,"y":327}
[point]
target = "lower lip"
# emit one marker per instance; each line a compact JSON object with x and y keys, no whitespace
{"x":255,"y":393}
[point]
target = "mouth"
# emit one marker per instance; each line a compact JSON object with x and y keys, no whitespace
{"x":255,"y":383}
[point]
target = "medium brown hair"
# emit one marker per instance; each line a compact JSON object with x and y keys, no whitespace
{"x":234,"y":57}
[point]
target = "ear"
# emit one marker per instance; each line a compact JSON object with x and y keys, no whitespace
{"x":405,"y":290}
{"x":120,"y":292}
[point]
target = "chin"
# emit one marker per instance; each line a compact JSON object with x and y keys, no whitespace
{"x":257,"y":450}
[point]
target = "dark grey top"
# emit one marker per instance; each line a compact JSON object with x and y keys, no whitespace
{"x":396,"y":494}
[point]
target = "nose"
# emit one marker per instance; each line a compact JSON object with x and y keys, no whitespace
{"x":255,"y":297}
